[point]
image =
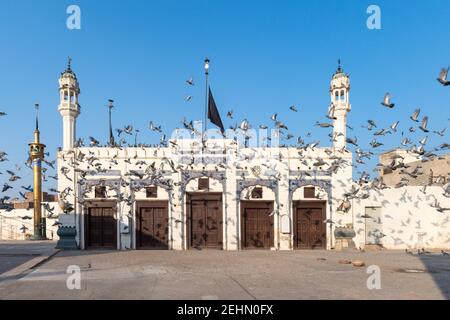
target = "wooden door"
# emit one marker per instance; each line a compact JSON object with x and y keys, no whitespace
{"x":152,"y":227}
{"x":257,"y":225}
{"x":309,"y":226}
{"x":206,"y":222}
{"x":101,"y":228}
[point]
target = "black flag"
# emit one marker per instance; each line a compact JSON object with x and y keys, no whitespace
{"x":213,"y":113}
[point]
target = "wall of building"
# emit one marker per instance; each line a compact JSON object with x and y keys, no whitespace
{"x":281,"y":170}
{"x":431,"y":172}
{"x":11,"y":222}
{"x":408,"y":218}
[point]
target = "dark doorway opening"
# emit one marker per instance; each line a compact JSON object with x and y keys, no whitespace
{"x":257,"y":224}
{"x":205,"y":221}
{"x":152,"y":225}
{"x":309,"y":226}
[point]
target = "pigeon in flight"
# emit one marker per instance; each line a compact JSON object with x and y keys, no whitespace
{"x":293,"y":108}
{"x":375,"y":144}
{"x":415,"y":115}
{"x":394,"y":126}
{"x":440,"y":133}
{"x":128,"y":129}
{"x":387,"y":101}
{"x":330,"y":114}
{"x":324,"y":124}
{"x":3,"y":114}
{"x":29,"y":188}
{"x":423,"y":125}
{"x":94,"y":142}
{"x":244,"y":126}
{"x":274,"y":117}
{"x":190,"y":81}
{"x":443,"y":77}
{"x":6,"y":187}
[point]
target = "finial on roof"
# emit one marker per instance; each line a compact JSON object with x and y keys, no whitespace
{"x":36,"y":106}
{"x":69,"y":64}
{"x":339,"y":69}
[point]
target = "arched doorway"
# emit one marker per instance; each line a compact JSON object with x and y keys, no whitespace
{"x":204,"y":214}
{"x":309,"y":216}
{"x":257,"y":218}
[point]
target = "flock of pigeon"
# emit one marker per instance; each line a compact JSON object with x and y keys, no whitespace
{"x":154,"y":173}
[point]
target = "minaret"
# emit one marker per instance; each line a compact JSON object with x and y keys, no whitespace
{"x":340,"y":106}
{"x":36,"y":156}
{"x":68,"y":106}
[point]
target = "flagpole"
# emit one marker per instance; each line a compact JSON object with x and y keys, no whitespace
{"x":206,"y":96}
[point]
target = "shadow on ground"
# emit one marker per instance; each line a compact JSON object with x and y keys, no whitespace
{"x":438,"y":266}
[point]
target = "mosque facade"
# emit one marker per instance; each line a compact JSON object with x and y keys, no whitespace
{"x":220,"y":193}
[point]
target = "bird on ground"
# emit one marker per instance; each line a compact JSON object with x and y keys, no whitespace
{"x":387,"y":101}
{"x":442,"y":78}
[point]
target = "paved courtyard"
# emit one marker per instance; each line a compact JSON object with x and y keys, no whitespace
{"x":232,"y":275}
{"x":16,"y":253}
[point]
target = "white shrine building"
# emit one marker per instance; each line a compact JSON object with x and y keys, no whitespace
{"x":220,"y":195}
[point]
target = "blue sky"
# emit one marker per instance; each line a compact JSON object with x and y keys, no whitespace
{"x":265,"y":56}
